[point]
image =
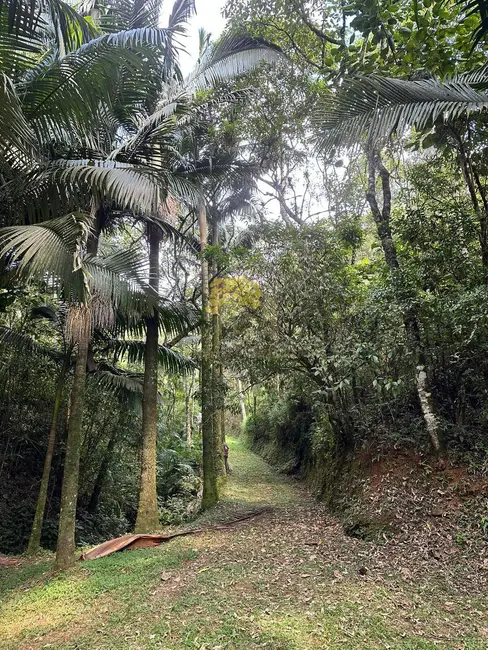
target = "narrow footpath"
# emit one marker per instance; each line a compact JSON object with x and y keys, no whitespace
{"x":287,"y":580}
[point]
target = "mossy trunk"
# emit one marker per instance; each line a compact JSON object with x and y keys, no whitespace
{"x":99,"y":222}
{"x":147,"y":511}
{"x":188,"y":389}
{"x":65,"y":549}
{"x":217,"y":394}
{"x":210,"y":492}
{"x":216,"y":361}
{"x":222,"y":409}
{"x":188,"y":421}
{"x":35,"y":537}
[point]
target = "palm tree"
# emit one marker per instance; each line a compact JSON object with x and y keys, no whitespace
{"x":127,"y":386}
{"x":176,"y":115}
{"x":135,"y":175}
{"x":68,"y":91}
{"x":95,"y":288}
{"x":228,"y":196}
{"x":54,"y":110}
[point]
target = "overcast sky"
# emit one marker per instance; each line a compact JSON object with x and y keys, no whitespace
{"x":209,"y":17}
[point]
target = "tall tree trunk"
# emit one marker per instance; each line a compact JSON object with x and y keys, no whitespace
{"x":210,"y":492}
{"x":382,"y":219}
{"x":147,"y":510}
{"x":242,"y":402}
{"x":188,"y":421}
{"x":99,"y":221}
{"x":222,"y":407}
{"x":66,"y":545}
{"x":188,"y":389}
{"x":102,"y":473}
{"x":216,"y":362}
{"x":35,"y":537}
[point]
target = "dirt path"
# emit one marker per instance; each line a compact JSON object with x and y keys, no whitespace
{"x":289,"y":580}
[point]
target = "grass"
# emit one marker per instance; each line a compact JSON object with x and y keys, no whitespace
{"x":286,"y":581}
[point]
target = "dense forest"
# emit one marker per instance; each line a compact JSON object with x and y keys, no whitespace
{"x":287,"y":243}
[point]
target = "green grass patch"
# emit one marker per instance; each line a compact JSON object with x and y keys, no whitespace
{"x":251,"y":586}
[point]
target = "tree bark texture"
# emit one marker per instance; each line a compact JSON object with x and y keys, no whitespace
{"x":147,"y":511}
{"x":66,"y":546}
{"x":210,"y":491}
{"x":410,"y":321}
{"x":222,"y":409}
{"x":188,"y":389}
{"x":35,"y":537}
{"x":188,"y":422}
{"x":99,"y":222}
{"x":216,"y":362}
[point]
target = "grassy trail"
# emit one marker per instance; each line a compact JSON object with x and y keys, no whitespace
{"x":289,"y":580}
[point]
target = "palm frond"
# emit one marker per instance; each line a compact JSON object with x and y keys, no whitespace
{"x":116,"y":381}
{"x":177,"y":24}
{"x":130,"y":186}
{"x":65,"y":99}
{"x":72,"y":30}
{"x":378,"y":106}
{"x":126,"y":14}
{"x":181,"y":12}
{"x":64,"y":185}
{"x":25,"y":343}
{"x":118,"y":279}
{"x":169,"y":115}
{"x":15,"y":130}
{"x":32,"y":20}
{"x":174,"y":318}
{"x":132,"y":39}
{"x":46,"y":250}
{"x":229,"y":58}
{"x":479,"y":7}
{"x":177,"y":317}
{"x":170,"y":361}
{"x":20,"y":36}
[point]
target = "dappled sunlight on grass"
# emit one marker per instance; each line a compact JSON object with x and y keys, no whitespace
{"x":57,"y":600}
{"x":253,"y":481}
{"x":42,"y":606}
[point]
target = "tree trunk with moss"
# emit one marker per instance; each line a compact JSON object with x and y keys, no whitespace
{"x":66,"y":546}
{"x":216,"y":362}
{"x":210,"y":492}
{"x":222,"y":408}
{"x":188,"y":390}
{"x":217,"y":393}
{"x":147,"y":511}
{"x":35,"y":537}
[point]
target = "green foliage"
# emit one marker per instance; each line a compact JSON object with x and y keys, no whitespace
{"x":281,"y":431}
